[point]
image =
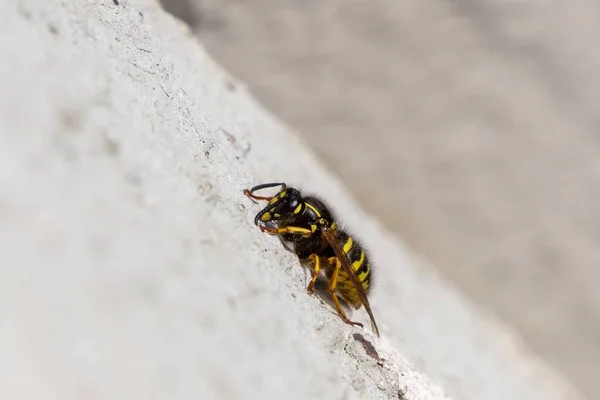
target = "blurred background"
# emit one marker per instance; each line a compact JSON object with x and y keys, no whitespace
{"x":471,"y":128}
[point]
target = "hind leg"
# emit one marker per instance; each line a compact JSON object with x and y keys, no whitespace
{"x":332,"y":286}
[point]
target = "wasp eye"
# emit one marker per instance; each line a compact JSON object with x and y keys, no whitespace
{"x":294,"y":203}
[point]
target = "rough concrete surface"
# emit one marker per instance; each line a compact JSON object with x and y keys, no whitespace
{"x":468,"y":127}
{"x":130,"y":265}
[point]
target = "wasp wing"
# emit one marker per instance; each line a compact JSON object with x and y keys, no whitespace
{"x":347,"y":267}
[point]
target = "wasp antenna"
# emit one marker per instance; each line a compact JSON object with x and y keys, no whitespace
{"x":268,"y":185}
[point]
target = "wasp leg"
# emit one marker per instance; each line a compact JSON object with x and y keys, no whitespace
{"x":296,"y":230}
{"x":332,"y":285}
{"x":315,"y":273}
{"x":248,"y":193}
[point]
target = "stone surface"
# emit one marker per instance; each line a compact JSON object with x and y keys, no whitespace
{"x":468,"y":127}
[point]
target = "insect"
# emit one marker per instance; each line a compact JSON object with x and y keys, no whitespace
{"x":307,"y":227}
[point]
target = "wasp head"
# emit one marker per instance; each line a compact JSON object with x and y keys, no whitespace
{"x":285,"y":205}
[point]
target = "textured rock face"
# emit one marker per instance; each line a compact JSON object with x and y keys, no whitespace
{"x":470,"y":127}
{"x":130,"y":265}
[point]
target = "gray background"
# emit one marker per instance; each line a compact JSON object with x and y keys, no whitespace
{"x":469,"y":127}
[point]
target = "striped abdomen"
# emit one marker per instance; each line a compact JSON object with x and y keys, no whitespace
{"x":360,"y":265}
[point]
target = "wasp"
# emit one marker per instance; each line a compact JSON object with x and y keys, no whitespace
{"x":306,"y":226}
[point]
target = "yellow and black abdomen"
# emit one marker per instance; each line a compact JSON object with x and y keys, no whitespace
{"x":360,"y":265}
